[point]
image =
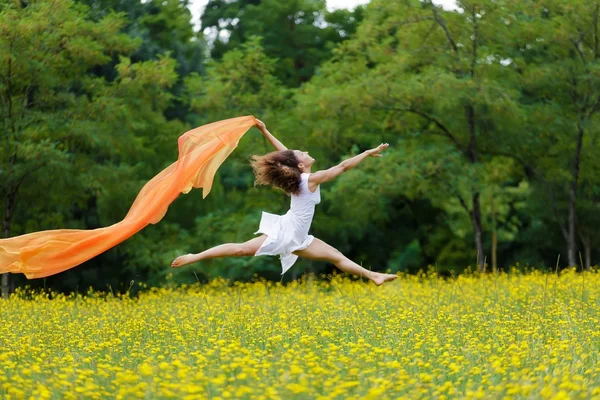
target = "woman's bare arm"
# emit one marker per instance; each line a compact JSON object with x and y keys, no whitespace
{"x":276,"y":143}
{"x":326,"y":175}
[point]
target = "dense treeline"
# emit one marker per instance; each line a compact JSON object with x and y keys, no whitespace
{"x":490,"y":109}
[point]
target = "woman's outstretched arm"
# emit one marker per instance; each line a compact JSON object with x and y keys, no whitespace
{"x":276,"y":143}
{"x":326,"y":175}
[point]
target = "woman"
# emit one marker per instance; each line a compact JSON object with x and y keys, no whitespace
{"x":287,"y":235}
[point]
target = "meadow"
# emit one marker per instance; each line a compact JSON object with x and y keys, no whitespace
{"x":532,"y":335}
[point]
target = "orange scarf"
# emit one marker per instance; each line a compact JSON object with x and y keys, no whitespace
{"x":201,"y":151}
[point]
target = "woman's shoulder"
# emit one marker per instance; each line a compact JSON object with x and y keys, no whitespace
{"x":304,"y":182}
{"x":304,"y":177}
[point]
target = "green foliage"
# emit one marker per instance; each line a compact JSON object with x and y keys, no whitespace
{"x":491,"y":113}
{"x":409,"y":73}
{"x":298,"y":33}
{"x":242,"y":82}
{"x":73,"y":138}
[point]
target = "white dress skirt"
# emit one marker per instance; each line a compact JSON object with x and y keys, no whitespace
{"x":289,"y":233}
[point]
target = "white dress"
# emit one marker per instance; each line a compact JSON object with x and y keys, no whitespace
{"x":289,"y":233}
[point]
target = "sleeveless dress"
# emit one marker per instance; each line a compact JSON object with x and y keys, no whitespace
{"x":289,"y":233}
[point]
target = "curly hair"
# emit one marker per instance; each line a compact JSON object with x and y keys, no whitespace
{"x":278,"y":169}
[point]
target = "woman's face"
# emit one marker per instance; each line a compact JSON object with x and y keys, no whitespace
{"x":304,"y":158}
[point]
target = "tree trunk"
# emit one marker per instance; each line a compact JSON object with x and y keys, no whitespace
{"x":10,"y":205}
{"x":572,"y":232}
{"x":494,"y":251}
{"x":587,"y":248}
{"x":588,"y":257}
{"x":476,"y":221}
{"x":476,"y":212}
{"x":5,"y":286}
{"x":494,"y":238}
{"x":571,"y":243}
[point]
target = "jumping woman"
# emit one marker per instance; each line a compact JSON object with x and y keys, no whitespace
{"x":287,"y":235}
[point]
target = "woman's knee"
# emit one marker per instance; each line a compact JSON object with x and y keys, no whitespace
{"x":245,"y":250}
{"x":336,"y":257}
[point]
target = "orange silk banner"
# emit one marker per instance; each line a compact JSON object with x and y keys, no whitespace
{"x":201,"y":151}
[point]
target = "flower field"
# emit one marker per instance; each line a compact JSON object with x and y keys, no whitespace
{"x":498,"y":336}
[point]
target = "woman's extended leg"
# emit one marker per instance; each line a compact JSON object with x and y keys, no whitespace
{"x":319,"y":250}
{"x":248,"y":248}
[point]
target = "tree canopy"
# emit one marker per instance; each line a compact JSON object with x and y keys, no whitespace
{"x":490,"y":110}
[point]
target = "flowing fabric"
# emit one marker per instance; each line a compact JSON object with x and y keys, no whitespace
{"x":201,"y":151}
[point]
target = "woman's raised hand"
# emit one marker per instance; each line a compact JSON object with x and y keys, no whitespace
{"x":376,"y":152}
{"x":260,"y":125}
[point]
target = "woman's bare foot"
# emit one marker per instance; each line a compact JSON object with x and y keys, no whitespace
{"x":183,"y":260}
{"x":378,"y":279}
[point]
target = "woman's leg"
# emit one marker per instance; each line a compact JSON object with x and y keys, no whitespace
{"x":248,"y":248}
{"x":319,"y":250}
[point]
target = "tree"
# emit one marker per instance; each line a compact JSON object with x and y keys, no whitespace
{"x":558,"y":53}
{"x":42,"y":48}
{"x":65,"y":129}
{"x":299,"y":34}
{"x":436,"y":75}
{"x":162,"y":28}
